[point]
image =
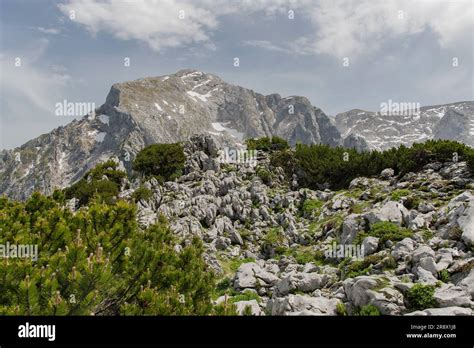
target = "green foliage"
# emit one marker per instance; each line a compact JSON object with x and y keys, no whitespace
{"x":341,"y":309}
{"x":284,"y":159}
{"x":357,"y":268}
{"x":105,"y":190}
{"x":319,"y":164}
{"x":368,"y":310}
{"x":265,"y":175}
{"x":385,"y":231}
{"x":364,"y":267}
{"x":102,"y":182}
{"x":235,"y":263}
{"x":311,"y":206}
{"x":59,"y":196}
{"x":108,"y":169}
{"x":427,"y":234}
{"x":273,"y":242}
{"x":267,"y":144}
{"x":398,"y":194}
{"x":279,"y":144}
{"x":304,"y":255}
{"x":273,"y":236}
{"x":98,"y":261}
{"x":162,"y":161}
{"x":246,"y":295}
{"x":225,"y":309}
{"x":420,"y":296}
{"x":444,"y":276}
{"x":142,"y":193}
{"x":247,"y":311}
{"x":358,"y":208}
{"x":304,"y":258}
{"x":258,"y":144}
{"x":412,"y":202}
{"x":224,"y":286}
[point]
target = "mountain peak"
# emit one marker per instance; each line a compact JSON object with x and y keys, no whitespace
{"x":162,"y":109}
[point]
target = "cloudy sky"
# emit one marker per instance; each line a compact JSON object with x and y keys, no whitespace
{"x":341,"y":54}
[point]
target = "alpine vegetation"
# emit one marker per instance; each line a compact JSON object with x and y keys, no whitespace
{"x":308,"y":229}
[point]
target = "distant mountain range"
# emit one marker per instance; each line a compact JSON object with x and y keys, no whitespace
{"x":172,"y":108}
{"x":451,"y":121}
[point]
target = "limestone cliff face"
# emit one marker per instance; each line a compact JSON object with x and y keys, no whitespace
{"x":158,"y":109}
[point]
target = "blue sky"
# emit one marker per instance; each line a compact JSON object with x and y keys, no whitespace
{"x":400,"y":50}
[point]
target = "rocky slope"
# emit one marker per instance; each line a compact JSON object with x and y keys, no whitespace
{"x":268,"y":242}
{"x":451,"y":122}
{"x":162,"y":109}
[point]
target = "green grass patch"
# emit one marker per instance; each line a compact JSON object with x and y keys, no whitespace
{"x":310,"y":206}
{"x":398,"y":194}
{"x":246,"y":295}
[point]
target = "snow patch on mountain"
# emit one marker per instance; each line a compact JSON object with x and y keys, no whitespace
{"x":158,"y":107}
{"x":202,"y":97}
{"x":104,"y":119}
{"x":221,"y":127}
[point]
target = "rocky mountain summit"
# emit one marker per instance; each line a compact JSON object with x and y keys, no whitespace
{"x":269,"y":240}
{"x":382,"y":131}
{"x":163,"y":109}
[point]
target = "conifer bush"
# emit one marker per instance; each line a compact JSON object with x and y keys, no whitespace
{"x":274,"y":143}
{"x":319,"y":165}
{"x":165,"y":162}
{"x":102,"y":182}
{"x":97,"y":261}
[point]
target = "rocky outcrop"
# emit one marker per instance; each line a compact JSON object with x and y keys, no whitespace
{"x":273,"y":256}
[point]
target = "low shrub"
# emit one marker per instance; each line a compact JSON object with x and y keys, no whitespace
{"x":420,"y":296}
{"x":142,"y":193}
{"x":398,"y":194}
{"x":385,"y":231}
{"x":310,"y":206}
{"x":267,"y":144}
{"x":368,"y":310}
{"x":320,"y":165}
{"x":102,"y":182}
{"x":265,"y":175}
{"x":165,"y":162}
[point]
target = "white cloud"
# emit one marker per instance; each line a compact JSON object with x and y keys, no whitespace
{"x":339,"y":28}
{"x":267,"y":45}
{"x":52,"y":31}
{"x":349,"y":28}
{"x":158,"y":22}
{"x":31,"y":83}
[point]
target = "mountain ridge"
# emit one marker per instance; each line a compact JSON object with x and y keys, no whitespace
{"x":172,"y":108}
{"x":451,"y":121}
{"x":169,"y":108}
